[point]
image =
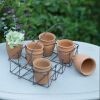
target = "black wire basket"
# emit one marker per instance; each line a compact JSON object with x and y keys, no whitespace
{"x":23,"y":70}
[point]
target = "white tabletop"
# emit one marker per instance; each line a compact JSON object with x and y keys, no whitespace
{"x":70,"y":85}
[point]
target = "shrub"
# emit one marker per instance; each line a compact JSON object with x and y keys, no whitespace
{"x":73,"y":19}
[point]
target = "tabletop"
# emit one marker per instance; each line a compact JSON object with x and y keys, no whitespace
{"x":70,"y":85}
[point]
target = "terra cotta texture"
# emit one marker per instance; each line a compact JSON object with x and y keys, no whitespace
{"x":14,"y":53}
{"x":48,"y":40}
{"x":84,"y":64}
{"x":65,"y":50}
{"x":42,"y":67}
{"x":34,"y":50}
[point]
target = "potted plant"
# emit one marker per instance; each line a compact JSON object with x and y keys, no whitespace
{"x":14,"y":44}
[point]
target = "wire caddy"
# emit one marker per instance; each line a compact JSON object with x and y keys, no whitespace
{"x":23,"y":70}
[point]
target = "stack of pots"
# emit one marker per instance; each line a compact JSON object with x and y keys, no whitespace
{"x":48,"y":40}
{"x":42,"y":68}
{"x":34,"y":50}
{"x":65,"y":50}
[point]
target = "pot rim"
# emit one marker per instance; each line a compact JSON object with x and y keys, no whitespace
{"x":34,"y":52}
{"x":63,"y":46}
{"x":33,"y":48}
{"x":19,"y":45}
{"x":41,"y":68}
{"x":54,"y":37}
{"x":90,"y":72}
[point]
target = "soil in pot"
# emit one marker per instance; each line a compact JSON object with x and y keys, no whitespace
{"x":48,"y":40}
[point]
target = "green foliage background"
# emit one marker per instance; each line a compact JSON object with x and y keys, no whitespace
{"x":73,"y":19}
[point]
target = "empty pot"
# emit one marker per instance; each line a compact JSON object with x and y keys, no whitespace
{"x":34,"y":50}
{"x":42,"y":68}
{"x":48,"y":40}
{"x":65,"y":50}
{"x":14,"y":53}
{"x":84,"y":64}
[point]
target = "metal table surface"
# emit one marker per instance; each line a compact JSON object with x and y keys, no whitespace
{"x":70,"y":85}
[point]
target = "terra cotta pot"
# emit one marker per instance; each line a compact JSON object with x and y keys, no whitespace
{"x":84,"y":64}
{"x":34,"y":50}
{"x":48,"y":40}
{"x":42,"y":68}
{"x":65,"y":50}
{"x":14,"y":53}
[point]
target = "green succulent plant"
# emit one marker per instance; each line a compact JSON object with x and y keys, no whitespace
{"x":14,"y":38}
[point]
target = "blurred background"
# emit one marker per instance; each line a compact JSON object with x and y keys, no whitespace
{"x":78,"y":20}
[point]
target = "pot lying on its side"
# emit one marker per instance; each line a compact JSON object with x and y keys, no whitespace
{"x":84,"y":64}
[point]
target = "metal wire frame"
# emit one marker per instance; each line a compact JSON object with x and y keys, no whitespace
{"x":21,"y":68}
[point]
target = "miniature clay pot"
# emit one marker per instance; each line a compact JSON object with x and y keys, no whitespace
{"x":42,"y":68}
{"x":48,"y":40}
{"x":34,"y":50}
{"x":65,"y":50}
{"x":14,"y":53}
{"x":84,"y":64}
